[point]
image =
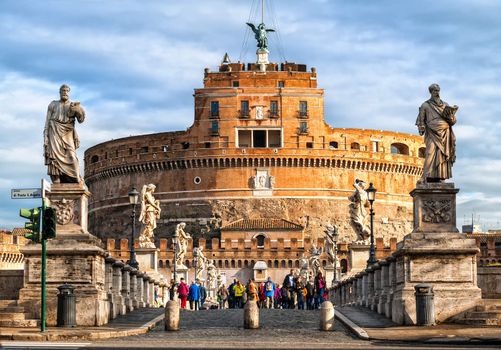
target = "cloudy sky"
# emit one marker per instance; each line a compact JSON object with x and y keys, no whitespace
{"x":134,"y":65}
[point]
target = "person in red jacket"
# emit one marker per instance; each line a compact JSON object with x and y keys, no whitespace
{"x":182,"y":291}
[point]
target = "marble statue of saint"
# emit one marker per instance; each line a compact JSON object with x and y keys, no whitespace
{"x":201,"y":261}
{"x":61,"y":140}
{"x":211,"y":275}
{"x":182,"y":243}
{"x":304,"y":267}
{"x":314,"y":260}
{"x":272,"y":181}
{"x":150,"y":213}
{"x":330,"y":242}
{"x":435,"y":121}
{"x":261,"y":34}
{"x":259,"y":112}
{"x":358,"y":213}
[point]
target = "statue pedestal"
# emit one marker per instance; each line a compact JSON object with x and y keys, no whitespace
{"x":148,"y":262}
{"x":262,"y":59}
{"x":182,"y":271}
{"x":329,"y":275}
{"x":359,"y":254}
{"x":435,"y":253}
{"x":75,"y":257}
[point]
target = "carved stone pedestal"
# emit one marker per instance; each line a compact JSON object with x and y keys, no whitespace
{"x":182,"y":271}
{"x":75,"y":257}
{"x":359,"y":254}
{"x":437,"y":254}
{"x":148,"y":262}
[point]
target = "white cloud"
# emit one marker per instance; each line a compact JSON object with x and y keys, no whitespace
{"x":134,"y":65}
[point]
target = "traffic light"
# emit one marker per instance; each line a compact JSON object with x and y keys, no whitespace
{"x":34,"y":215}
{"x":49,"y":223}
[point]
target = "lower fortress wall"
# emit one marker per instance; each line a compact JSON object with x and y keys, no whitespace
{"x":204,"y":218}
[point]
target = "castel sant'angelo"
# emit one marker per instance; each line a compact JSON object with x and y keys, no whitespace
{"x":259,"y":159}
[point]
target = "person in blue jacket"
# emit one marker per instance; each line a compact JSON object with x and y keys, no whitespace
{"x":269,"y":293}
{"x":194,"y":295}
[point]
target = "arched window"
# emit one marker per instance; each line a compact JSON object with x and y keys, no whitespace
{"x":333,"y":145}
{"x":422,"y":152}
{"x":94,"y":159}
{"x":355,"y":146}
{"x":260,"y":240}
{"x":399,"y":148}
{"x":344,"y":266}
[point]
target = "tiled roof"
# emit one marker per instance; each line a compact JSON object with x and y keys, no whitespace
{"x":484,"y":237}
{"x":20,"y":231}
{"x":262,"y":225}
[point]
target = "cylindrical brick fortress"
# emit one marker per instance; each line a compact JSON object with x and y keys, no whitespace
{"x":259,"y":148}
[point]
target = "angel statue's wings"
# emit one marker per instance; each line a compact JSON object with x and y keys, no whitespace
{"x":143,"y":204}
{"x":253,"y":27}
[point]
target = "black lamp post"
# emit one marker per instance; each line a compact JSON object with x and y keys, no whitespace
{"x":335,"y":236}
{"x":174,"y":243}
{"x":133,"y":197}
{"x":195,"y":261}
{"x":371,"y":194}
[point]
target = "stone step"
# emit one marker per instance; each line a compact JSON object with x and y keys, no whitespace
{"x":484,"y":314}
{"x":482,"y":321}
{"x":19,"y":323}
{"x":6,"y":309}
{"x":10,"y":316}
{"x":5,"y":303}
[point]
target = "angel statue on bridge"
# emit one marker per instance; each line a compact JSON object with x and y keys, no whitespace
{"x":150,"y":213}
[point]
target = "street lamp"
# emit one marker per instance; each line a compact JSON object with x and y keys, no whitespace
{"x":174,"y":243}
{"x":335,"y":236}
{"x":195,"y":261}
{"x":371,"y":194}
{"x":133,"y":197}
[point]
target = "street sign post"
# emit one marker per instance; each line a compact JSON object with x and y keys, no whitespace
{"x":25,"y":193}
{"x":30,"y":193}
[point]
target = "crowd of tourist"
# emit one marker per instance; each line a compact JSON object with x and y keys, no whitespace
{"x":294,"y":292}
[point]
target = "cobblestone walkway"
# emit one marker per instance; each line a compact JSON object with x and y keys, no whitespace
{"x":224,"y":328}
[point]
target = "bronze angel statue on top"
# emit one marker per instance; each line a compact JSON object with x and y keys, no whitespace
{"x":261,"y":35}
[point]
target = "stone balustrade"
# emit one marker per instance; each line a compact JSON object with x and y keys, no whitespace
{"x":129,"y":289}
{"x":372,"y":288}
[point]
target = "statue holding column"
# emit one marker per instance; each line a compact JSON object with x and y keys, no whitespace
{"x":182,"y":243}
{"x":358,"y":213}
{"x":150,"y":213}
{"x":61,"y":140}
{"x":330,"y":242}
{"x":435,"y":121}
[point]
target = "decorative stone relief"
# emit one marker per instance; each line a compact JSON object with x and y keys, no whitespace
{"x":437,"y":211}
{"x":259,"y":112}
{"x":64,"y":211}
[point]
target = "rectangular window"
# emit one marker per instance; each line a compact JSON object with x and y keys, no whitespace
{"x":303,"y":108}
{"x":244,"y":108}
{"x":259,"y":137}
{"x":144,"y":149}
{"x":281,"y":84}
{"x":214,"y":129}
{"x":303,"y":128}
{"x":207,"y":145}
{"x":214,"y":109}
{"x":274,"y":138}
{"x":236,"y":83}
{"x":375,"y":146}
{"x":309,"y":144}
{"x":273,"y":109}
{"x":244,"y":138}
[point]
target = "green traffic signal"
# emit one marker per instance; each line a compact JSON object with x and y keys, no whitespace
{"x":34,"y":224}
{"x":49,"y":223}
